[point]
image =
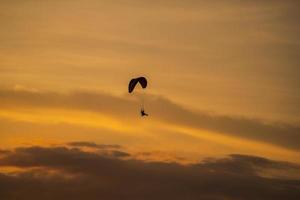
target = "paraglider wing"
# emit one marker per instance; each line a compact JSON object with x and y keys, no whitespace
{"x":133,"y":82}
{"x":143,"y":82}
{"x":132,"y":85}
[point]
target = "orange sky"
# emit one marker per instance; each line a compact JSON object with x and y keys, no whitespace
{"x":223,"y":76}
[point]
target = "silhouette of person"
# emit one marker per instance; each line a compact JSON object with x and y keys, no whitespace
{"x":143,"y":113}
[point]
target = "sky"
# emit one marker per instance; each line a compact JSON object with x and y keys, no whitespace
{"x":223,"y":99}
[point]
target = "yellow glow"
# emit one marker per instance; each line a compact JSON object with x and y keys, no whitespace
{"x":158,"y":137}
{"x":56,"y":116}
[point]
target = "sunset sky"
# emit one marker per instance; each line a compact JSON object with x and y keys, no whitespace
{"x":223,"y":98}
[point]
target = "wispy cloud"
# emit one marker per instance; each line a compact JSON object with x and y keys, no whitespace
{"x":162,"y":110}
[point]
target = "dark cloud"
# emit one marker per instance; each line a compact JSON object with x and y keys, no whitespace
{"x":94,"y":176}
{"x":282,"y":134}
{"x":94,"y":145}
{"x":3,"y":152}
{"x":246,"y":164}
{"x":105,"y":149}
{"x":119,"y":154}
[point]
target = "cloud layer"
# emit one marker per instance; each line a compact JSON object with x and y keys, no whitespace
{"x":61,"y":172}
{"x":162,"y":110}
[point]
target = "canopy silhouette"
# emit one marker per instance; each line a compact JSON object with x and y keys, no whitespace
{"x":132,"y":84}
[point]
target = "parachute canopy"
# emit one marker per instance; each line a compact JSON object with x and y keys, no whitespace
{"x":135,"y":81}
